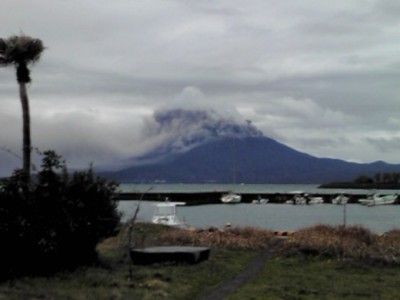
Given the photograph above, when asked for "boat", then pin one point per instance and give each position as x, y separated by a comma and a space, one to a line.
379, 199
315, 200
300, 200
340, 199
260, 200
165, 214
231, 198
297, 199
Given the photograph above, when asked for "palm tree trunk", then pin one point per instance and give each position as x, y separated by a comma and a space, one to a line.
26, 131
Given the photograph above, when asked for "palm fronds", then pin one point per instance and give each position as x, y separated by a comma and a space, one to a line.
20, 49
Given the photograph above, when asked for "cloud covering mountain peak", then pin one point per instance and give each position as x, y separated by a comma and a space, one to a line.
177, 130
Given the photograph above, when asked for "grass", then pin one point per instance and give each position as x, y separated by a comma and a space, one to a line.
320, 262
353, 242
111, 280
230, 238
317, 278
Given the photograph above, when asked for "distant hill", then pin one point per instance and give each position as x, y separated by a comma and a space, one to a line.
253, 159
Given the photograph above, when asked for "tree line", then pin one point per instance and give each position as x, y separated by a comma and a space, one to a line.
379, 178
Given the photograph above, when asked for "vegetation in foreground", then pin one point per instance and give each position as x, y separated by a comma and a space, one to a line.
320, 262
353, 243
231, 238
317, 278
111, 279
55, 221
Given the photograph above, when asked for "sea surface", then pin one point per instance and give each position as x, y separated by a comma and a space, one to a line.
269, 216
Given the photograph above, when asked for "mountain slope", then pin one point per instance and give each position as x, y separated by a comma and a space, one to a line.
252, 159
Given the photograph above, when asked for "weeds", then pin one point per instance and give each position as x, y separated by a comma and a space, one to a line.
352, 242
232, 238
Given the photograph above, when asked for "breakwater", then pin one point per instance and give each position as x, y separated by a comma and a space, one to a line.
214, 197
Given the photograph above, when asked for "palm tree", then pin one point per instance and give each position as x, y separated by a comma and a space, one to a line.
21, 51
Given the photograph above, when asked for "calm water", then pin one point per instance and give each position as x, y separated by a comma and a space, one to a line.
240, 188
271, 216
275, 216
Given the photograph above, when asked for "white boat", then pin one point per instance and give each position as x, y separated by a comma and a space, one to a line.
299, 200
379, 199
165, 214
231, 198
340, 199
315, 200
260, 200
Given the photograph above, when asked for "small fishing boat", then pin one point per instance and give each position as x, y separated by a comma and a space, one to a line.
299, 200
340, 199
379, 199
260, 200
231, 198
315, 200
165, 214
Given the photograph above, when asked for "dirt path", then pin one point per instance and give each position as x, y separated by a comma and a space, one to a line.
253, 268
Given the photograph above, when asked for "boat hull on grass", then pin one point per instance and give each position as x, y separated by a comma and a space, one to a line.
169, 254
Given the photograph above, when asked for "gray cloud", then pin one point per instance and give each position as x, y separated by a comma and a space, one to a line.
321, 77
385, 145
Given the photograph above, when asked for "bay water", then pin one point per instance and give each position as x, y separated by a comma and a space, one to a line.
269, 216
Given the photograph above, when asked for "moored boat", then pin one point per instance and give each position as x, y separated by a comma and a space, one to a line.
315, 200
165, 214
231, 198
379, 199
340, 199
260, 200
299, 200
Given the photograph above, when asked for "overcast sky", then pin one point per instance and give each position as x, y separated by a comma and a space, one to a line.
320, 76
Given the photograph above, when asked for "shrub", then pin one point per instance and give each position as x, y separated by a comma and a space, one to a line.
56, 221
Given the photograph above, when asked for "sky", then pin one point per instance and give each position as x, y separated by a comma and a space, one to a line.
319, 76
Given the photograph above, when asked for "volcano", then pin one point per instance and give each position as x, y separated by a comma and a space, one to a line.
203, 147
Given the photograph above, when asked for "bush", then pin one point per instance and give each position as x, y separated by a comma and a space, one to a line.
56, 221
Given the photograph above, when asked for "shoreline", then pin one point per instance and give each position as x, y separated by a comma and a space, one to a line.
359, 186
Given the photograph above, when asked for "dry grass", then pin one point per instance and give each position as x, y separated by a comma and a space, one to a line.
388, 246
352, 242
232, 238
